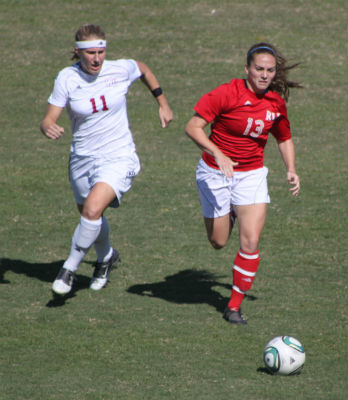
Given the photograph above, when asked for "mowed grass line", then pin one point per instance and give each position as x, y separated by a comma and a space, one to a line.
157, 330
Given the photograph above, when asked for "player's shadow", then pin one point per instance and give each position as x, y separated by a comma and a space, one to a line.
45, 272
188, 286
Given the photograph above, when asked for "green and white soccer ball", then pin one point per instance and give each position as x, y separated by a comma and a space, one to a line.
284, 355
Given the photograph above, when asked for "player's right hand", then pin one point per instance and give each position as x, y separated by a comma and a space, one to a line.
225, 164
54, 131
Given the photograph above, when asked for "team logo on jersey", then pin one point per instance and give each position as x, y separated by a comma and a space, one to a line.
110, 82
271, 116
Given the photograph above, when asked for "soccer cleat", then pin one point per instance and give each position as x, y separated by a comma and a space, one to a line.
63, 282
102, 271
234, 317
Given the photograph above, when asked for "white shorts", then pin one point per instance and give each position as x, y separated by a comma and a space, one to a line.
218, 194
117, 171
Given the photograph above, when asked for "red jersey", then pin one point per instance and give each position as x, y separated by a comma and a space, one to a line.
240, 122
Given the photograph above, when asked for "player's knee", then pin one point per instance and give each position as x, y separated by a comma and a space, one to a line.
218, 245
250, 245
92, 213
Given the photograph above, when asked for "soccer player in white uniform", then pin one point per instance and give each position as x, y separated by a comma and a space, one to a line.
103, 161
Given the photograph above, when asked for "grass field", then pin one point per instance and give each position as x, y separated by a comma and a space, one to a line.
156, 332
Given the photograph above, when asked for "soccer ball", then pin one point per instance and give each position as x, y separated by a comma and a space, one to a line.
284, 355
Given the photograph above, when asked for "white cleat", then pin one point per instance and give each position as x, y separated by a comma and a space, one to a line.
64, 281
102, 271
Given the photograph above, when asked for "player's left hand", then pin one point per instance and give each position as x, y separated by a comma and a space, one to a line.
294, 181
166, 115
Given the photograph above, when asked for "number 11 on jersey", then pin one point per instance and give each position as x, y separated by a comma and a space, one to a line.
95, 110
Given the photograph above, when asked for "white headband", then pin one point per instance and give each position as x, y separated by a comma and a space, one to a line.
87, 44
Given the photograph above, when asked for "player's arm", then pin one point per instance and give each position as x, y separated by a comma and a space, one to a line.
195, 130
148, 77
49, 125
287, 151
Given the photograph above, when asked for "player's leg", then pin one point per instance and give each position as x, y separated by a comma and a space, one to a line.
101, 196
113, 180
251, 220
250, 197
92, 226
218, 230
215, 198
102, 243
85, 232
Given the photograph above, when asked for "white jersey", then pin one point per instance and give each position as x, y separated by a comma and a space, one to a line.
97, 106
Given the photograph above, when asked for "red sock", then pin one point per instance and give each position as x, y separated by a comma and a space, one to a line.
244, 271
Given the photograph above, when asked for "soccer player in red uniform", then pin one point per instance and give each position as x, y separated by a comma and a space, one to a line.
231, 178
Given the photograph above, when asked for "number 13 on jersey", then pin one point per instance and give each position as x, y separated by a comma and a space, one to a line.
259, 125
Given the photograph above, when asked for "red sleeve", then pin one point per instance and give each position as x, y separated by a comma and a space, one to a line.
281, 128
210, 105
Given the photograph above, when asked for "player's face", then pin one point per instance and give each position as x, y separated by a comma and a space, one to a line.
92, 59
261, 72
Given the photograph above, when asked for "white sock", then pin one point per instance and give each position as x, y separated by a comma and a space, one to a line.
88, 232
102, 243
84, 236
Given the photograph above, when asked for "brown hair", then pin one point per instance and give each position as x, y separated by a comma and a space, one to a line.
280, 83
87, 31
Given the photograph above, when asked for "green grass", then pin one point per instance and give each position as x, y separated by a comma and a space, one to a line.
156, 331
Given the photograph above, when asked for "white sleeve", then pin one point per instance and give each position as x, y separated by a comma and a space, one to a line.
134, 71
132, 68
59, 95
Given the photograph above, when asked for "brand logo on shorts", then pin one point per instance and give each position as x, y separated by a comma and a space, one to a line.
131, 174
